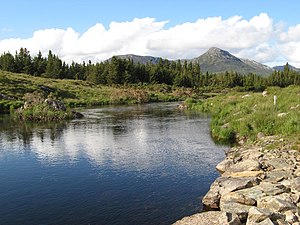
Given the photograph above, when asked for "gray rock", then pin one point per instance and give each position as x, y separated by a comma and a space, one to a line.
55, 104
295, 186
224, 165
279, 163
247, 165
279, 203
290, 217
248, 196
239, 209
272, 189
277, 175
212, 218
257, 215
224, 185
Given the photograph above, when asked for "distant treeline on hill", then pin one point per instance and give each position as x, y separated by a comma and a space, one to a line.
123, 71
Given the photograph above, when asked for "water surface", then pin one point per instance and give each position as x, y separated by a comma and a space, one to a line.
147, 164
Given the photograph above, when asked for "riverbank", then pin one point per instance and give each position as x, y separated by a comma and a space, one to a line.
77, 93
258, 185
260, 177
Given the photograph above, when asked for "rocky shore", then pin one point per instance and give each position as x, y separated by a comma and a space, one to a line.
259, 184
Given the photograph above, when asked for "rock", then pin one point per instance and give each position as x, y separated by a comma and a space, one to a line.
55, 104
279, 163
295, 184
267, 221
277, 175
281, 114
257, 215
244, 174
272, 189
247, 196
277, 203
260, 135
77, 115
182, 106
290, 217
237, 208
247, 165
265, 93
224, 185
211, 218
282, 222
224, 165
237, 197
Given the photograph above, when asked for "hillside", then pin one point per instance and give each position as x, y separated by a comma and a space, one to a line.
74, 93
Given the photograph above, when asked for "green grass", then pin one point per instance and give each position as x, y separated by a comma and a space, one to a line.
75, 93
237, 115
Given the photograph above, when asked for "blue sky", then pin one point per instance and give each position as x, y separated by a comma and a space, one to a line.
19, 20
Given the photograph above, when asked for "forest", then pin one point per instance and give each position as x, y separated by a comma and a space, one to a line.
118, 71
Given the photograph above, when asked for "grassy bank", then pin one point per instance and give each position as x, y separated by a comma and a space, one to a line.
240, 116
76, 93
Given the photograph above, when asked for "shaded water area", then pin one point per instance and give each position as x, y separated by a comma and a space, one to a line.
142, 164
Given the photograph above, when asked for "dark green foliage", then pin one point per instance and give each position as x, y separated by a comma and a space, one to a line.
120, 71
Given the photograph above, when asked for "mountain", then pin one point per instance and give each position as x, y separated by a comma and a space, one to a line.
217, 60
281, 68
140, 59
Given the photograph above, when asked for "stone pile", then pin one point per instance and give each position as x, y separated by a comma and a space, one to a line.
258, 185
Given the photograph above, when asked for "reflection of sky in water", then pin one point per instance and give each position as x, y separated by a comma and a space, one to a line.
153, 158
134, 143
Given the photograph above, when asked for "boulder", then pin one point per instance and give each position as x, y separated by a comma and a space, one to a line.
211, 218
277, 175
257, 215
55, 104
279, 163
271, 189
236, 208
224, 185
247, 165
224, 165
267, 221
77, 115
248, 196
279, 203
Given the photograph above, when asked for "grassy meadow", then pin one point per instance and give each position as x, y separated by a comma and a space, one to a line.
241, 116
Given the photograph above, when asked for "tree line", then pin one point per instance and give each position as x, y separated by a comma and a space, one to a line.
124, 71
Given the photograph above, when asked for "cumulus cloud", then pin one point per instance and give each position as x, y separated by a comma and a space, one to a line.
257, 38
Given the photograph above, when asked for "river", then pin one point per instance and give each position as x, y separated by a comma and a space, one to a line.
141, 164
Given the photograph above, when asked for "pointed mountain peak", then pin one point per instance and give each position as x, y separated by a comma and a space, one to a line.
217, 52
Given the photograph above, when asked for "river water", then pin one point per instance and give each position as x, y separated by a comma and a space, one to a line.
142, 164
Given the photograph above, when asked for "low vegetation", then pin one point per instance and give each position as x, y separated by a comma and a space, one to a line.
244, 116
76, 93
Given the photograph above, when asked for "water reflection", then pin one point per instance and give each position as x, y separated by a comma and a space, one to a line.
136, 165
139, 138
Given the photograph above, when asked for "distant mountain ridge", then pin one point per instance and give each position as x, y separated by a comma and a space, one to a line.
215, 60
281, 68
139, 59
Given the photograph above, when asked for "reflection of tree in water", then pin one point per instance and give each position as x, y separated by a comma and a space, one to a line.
25, 131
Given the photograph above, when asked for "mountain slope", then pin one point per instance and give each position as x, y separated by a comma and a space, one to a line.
140, 59
217, 60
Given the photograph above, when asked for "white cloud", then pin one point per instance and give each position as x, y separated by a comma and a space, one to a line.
258, 38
